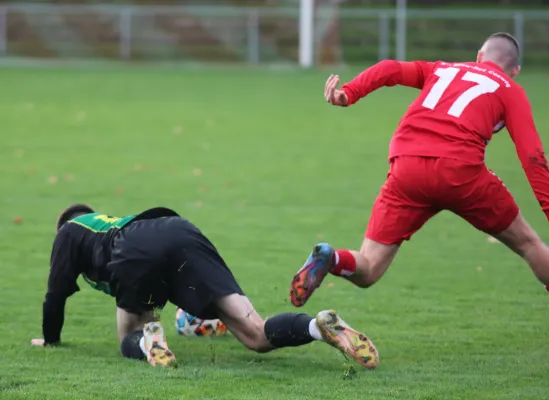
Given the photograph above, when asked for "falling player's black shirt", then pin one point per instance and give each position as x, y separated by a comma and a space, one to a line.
82, 246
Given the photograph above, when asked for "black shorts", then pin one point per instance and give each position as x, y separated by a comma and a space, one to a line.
168, 259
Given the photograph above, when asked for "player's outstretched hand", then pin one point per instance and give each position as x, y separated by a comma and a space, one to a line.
38, 342
332, 94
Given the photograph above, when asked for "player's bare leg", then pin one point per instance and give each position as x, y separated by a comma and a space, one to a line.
291, 330
523, 240
142, 336
363, 268
244, 322
369, 264
127, 322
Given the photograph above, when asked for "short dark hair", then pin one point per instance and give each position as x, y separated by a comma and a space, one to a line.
72, 212
508, 37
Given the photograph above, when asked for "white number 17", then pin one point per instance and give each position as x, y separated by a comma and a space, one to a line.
446, 76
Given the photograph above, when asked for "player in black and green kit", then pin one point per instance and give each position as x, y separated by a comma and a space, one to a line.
148, 259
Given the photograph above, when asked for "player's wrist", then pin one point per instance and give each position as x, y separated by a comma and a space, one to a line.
345, 97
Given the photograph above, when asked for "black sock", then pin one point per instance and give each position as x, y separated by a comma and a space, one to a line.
288, 330
130, 347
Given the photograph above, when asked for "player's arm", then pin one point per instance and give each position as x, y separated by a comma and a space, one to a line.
385, 73
61, 285
53, 318
521, 127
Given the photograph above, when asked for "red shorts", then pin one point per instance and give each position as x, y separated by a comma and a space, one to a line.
417, 188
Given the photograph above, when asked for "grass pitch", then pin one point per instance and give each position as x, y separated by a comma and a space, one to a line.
266, 168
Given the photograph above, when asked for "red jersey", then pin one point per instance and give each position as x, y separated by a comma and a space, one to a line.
460, 107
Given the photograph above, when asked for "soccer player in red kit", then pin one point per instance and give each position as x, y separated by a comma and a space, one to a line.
436, 161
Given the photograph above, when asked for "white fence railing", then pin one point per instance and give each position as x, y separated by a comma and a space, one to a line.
328, 34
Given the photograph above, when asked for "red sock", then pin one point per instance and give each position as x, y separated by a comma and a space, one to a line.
547, 288
344, 263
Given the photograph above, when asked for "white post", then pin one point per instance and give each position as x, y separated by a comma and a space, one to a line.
519, 33
384, 37
3, 31
253, 37
306, 33
401, 30
125, 33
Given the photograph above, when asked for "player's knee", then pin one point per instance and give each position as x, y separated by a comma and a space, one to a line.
526, 241
527, 245
520, 237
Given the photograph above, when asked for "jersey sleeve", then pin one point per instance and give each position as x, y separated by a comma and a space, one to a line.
387, 73
61, 285
521, 127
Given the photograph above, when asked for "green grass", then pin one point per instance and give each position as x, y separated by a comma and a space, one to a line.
261, 163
